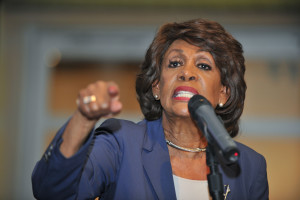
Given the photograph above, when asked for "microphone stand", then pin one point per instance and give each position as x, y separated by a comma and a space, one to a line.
214, 178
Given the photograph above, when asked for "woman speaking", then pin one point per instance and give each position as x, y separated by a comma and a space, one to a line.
164, 155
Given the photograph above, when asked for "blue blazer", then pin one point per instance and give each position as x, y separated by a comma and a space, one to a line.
124, 160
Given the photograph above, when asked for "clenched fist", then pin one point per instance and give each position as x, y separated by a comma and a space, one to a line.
99, 99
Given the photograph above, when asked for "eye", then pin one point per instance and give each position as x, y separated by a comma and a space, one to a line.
204, 66
174, 64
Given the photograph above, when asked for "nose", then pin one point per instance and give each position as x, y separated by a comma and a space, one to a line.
187, 74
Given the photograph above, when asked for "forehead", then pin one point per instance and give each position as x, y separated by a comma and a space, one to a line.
181, 47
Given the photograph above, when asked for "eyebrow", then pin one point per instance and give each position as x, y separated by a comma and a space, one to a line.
176, 50
204, 58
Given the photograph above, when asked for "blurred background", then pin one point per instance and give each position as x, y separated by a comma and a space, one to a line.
49, 49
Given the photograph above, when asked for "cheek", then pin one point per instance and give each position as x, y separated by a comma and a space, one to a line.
166, 81
212, 92
166, 91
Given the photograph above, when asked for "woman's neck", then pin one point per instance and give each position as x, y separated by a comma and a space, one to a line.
183, 131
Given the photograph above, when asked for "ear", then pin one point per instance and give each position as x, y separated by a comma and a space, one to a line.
224, 95
155, 88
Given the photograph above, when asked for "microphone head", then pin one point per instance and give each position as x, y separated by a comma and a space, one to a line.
198, 107
196, 101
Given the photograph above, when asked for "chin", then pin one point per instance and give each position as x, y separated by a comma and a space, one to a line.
183, 113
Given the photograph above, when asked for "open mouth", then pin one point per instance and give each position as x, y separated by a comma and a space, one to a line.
184, 93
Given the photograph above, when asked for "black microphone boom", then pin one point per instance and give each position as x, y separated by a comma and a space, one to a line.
206, 119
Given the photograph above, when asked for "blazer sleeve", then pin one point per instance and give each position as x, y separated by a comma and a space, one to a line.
102, 164
85, 175
260, 189
57, 177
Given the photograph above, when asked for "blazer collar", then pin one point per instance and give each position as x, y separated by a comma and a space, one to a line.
156, 161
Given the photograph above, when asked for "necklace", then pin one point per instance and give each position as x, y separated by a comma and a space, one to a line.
195, 150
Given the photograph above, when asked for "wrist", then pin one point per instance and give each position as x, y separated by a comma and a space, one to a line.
76, 133
84, 121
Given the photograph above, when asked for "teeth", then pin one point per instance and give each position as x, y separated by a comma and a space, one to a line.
184, 94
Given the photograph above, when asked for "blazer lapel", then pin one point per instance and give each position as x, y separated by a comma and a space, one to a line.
156, 161
229, 174
228, 187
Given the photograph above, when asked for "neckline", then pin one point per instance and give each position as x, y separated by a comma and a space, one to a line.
189, 180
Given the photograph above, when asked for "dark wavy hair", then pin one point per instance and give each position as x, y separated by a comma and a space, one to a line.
211, 37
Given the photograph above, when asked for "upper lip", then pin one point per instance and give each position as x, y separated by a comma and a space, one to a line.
185, 88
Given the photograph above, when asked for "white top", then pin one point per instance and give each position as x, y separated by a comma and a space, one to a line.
187, 189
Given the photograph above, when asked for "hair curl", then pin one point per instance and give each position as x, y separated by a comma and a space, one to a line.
211, 37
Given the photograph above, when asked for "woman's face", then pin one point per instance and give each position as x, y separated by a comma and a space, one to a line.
186, 71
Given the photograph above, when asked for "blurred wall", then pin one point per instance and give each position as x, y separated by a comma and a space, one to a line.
36, 38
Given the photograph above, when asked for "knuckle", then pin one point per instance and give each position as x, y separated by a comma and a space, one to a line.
82, 93
91, 87
100, 83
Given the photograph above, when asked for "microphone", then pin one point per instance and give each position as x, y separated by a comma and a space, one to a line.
208, 122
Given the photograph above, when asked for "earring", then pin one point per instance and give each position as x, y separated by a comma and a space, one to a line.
156, 97
221, 105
